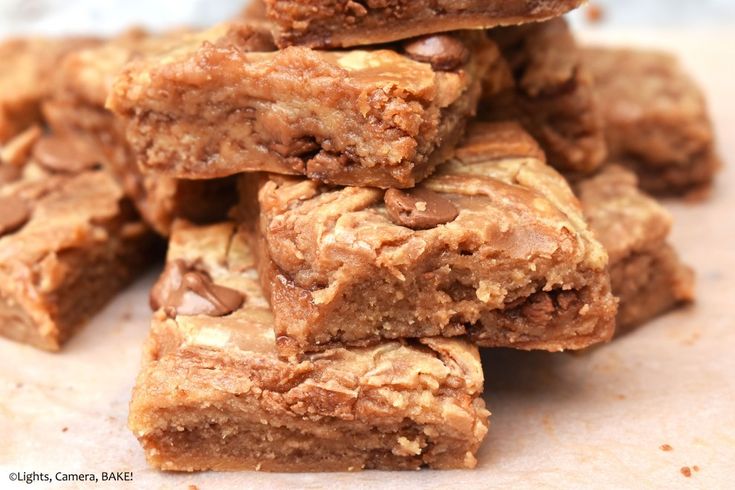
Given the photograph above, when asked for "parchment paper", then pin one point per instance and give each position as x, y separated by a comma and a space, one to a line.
591, 420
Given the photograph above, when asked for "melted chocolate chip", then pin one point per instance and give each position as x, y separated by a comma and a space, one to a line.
66, 154
14, 213
443, 51
419, 208
168, 282
184, 291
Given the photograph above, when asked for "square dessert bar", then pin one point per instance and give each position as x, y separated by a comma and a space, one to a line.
656, 119
224, 101
542, 82
493, 245
69, 240
213, 394
645, 271
76, 107
26, 68
336, 23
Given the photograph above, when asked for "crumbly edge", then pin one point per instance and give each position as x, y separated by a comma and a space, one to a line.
577, 312
692, 178
562, 114
93, 276
649, 283
325, 163
197, 409
562, 318
645, 271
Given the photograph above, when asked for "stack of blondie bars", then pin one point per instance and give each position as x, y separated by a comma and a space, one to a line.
356, 197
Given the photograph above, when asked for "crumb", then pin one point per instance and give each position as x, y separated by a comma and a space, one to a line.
193, 487
127, 316
692, 339
594, 13
19, 385
64, 429
695, 467
620, 396
666, 447
686, 471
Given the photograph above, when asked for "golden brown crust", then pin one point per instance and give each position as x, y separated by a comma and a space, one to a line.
372, 117
645, 271
213, 394
516, 268
543, 82
656, 119
340, 23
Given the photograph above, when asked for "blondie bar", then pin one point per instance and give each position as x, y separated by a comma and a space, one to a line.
542, 81
493, 245
645, 271
69, 239
339, 23
213, 394
76, 108
224, 101
26, 68
656, 119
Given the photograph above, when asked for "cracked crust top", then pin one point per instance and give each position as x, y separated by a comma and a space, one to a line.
494, 244
498, 180
224, 101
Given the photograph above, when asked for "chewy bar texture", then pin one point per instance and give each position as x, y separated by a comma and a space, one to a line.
645, 271
223, 102
69, 241
26, 68
340, 23
542, 81
656, 119
493, 245
76, 108
213, 394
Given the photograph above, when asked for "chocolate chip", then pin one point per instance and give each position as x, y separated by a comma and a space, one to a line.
66, 154
167, 284
184, 291
419, 208
14, 213
443, 51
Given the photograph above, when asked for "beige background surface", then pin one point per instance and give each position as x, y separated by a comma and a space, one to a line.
594, 420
